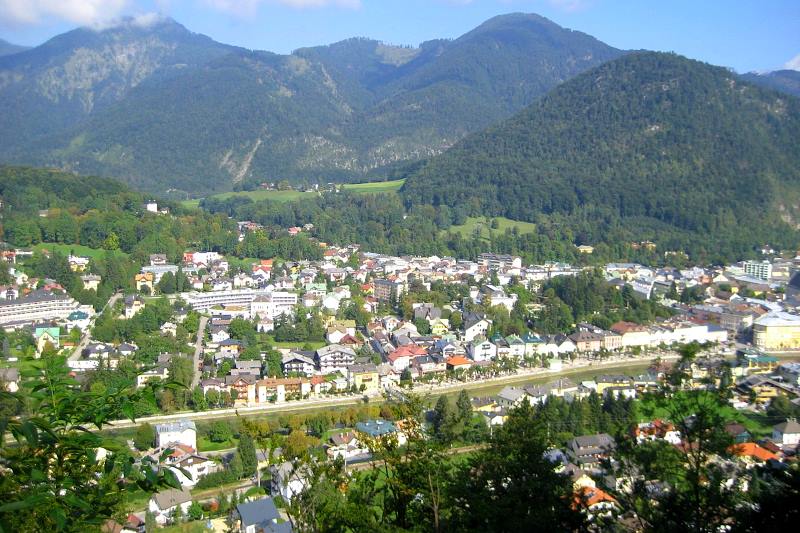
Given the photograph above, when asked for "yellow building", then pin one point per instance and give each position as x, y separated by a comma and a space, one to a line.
440, 326
146, 279
365, 375
777, 331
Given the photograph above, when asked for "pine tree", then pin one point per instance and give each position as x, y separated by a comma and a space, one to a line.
247, 452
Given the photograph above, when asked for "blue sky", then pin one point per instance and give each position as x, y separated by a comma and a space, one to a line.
743, 34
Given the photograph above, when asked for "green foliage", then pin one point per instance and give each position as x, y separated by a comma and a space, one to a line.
220, 431
589, 298
57, 479
631, 151
699, 498
145, 437
247, 451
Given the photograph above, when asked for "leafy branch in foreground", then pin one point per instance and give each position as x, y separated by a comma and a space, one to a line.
57, 472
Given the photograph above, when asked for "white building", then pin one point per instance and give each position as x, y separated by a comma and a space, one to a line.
758, 269
787, 433
163, 504
180, 432
38, 306
273, 304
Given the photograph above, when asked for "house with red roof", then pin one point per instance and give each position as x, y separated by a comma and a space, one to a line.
458, 362
401, 358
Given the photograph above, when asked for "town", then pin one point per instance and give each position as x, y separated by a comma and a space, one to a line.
356, 328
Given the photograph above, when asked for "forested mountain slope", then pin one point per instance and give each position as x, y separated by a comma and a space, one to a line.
161, 107
652, 138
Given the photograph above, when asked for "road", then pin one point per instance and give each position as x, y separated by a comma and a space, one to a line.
333, 402
87, 334
198, 349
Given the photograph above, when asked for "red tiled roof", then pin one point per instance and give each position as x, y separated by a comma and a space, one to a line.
751, 449
589, 496
458, 360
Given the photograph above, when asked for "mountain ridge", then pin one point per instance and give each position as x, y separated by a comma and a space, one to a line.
340, 112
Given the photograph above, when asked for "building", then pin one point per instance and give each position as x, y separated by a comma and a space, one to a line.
499, 261
786, 433
364, 377
299, 363
274, 304
475, 325
758, 269
385, 290
260, 516
180, 432
287, 480
133, 304
335, 357
777, 331
163, 504
38, 306
586, 451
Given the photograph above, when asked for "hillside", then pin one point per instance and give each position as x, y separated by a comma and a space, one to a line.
786, 81
161, 107
7, 48
670, 145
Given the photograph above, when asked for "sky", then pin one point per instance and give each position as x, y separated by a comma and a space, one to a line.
747, 35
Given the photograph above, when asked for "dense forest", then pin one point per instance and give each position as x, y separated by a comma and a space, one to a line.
672, 148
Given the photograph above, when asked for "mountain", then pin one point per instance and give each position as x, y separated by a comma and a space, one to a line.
657, 142
786, 81
162, 108
7, 48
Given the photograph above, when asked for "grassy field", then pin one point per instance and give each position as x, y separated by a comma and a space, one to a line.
78, 249
288, 196
374, 187
483, 224
205, 445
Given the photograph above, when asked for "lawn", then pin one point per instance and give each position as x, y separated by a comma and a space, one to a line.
288, 196
483, 224
260, 194
205, 445
78, 249
374, 186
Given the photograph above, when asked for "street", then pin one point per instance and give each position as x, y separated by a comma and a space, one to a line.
198, 350
87, 334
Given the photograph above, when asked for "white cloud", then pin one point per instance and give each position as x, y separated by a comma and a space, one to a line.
249, 7
793, 64
76, 11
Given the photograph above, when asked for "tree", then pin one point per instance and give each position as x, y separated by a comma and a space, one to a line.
511, 486
150, 525
443, 420
297, 444
56, 479
423, 326
247, 452
145, 437
220, 431
181, 370
167, 284
235, 466
199, 402
699, 498
464, 407
195, 511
